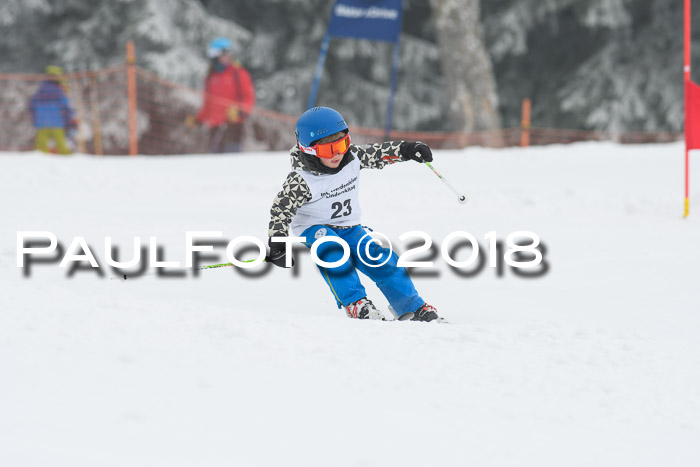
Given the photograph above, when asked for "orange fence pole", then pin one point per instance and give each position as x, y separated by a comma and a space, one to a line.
131, 91
525, 124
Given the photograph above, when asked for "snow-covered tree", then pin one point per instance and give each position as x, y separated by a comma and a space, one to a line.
466, 65
611, 65
598, 64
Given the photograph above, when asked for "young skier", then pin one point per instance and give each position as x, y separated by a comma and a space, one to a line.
52, 113
320, 198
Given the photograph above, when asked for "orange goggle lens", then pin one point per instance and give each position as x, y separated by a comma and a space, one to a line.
328, 150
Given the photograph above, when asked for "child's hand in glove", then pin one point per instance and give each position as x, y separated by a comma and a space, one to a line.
277, 255
419, 152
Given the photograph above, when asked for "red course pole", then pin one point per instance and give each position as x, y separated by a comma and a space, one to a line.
686, 79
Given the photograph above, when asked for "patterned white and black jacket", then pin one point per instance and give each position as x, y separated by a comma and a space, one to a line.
296, 192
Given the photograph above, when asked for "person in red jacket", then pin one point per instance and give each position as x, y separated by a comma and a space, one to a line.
229, 97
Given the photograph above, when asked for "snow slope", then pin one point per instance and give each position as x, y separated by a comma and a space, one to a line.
596, 363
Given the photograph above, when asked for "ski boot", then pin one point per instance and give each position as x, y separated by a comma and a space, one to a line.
427, 313
363, 309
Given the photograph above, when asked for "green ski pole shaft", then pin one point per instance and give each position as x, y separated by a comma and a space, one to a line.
209, 266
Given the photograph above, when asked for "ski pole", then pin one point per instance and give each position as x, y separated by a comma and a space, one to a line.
461, 198
215, 142
209, 266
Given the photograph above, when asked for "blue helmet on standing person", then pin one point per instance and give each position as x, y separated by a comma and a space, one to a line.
218, 46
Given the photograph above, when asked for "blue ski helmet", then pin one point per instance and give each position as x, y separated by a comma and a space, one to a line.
317, 123
217, 46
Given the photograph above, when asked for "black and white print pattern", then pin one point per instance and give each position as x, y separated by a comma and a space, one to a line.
295, 191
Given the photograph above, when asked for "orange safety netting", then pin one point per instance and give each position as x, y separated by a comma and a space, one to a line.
100, 102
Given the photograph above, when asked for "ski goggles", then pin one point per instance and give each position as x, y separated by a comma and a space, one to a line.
328, 150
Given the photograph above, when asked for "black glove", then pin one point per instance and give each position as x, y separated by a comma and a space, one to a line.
278, 255
419, 152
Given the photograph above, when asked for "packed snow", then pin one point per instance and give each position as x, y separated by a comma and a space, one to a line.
596, 362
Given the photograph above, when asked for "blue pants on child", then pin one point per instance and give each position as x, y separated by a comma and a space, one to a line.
344, 281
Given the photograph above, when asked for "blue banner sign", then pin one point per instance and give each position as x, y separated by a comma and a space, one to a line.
367, 19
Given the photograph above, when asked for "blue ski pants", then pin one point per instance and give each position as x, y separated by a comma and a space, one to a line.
344, 281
